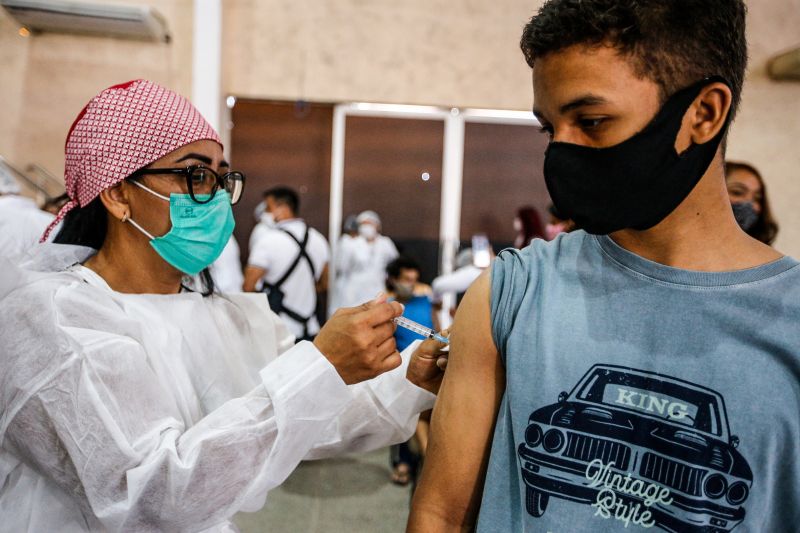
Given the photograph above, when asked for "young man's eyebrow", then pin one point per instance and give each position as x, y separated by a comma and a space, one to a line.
199, 157
582, 101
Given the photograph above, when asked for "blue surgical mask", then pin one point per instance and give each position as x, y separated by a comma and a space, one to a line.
199, 231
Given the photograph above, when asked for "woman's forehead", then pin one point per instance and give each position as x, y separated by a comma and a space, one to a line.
204, 151
745, 178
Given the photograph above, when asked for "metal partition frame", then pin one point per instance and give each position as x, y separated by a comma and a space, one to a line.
452, 170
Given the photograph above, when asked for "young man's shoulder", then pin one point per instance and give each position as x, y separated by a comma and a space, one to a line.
540, 254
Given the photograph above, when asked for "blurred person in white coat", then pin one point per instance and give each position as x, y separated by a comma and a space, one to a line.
336, 291
226, 271
361, 261
21, 221
129, 401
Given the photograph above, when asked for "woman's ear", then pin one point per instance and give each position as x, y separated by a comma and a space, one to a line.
712, 108
115, 200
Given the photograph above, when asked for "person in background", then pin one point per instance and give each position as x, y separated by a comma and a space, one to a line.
528, 225
131, 403
335, 293
403, 286
557, 224
290, 262
748, 195
458, 281
361, 261
21, 222
264, 221
350, 227
54, 205
227, 269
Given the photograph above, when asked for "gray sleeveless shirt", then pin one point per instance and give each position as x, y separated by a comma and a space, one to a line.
642, 396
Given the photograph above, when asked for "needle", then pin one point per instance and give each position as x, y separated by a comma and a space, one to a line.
428, 333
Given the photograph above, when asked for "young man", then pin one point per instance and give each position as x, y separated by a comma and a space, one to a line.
291, 260
644, 372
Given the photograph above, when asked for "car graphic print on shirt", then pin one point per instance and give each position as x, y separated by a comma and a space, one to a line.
639, 447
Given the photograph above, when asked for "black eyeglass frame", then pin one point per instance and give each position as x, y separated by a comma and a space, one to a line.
187, 172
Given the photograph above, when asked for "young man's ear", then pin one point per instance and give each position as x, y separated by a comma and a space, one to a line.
116, 203
711, 109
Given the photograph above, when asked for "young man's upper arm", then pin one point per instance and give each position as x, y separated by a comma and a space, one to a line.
449, 493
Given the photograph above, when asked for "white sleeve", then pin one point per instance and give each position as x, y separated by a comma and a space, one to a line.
458, 281
391, 250
343, 256
384, 411
261, 251
105, 431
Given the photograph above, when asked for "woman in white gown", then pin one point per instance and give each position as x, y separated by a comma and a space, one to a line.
130, 402
361, 261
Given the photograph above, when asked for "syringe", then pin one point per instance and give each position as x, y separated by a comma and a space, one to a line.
428, 333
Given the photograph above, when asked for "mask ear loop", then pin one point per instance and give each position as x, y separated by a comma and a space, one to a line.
151, 191
127, 217
137, 226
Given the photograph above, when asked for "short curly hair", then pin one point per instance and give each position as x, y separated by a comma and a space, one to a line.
672, 42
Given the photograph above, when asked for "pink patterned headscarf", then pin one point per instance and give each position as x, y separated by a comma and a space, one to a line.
124, 128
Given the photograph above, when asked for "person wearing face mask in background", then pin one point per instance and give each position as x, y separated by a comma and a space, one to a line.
557, 224
21, 222
361, 261
130, 401
751, 207
403, 286
528, 225
264, 221
289, 261
601, 378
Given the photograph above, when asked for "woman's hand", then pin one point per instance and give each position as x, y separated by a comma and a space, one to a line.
359, 341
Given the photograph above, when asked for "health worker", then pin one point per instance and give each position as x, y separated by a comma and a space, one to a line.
132, 399
361, 261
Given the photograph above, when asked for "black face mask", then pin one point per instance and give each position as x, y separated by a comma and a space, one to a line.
634, 184
745, 214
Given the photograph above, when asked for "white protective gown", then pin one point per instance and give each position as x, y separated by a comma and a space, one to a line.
362, 267
21, 225
163, 412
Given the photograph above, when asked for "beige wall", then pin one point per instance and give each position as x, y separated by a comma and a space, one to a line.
439, 52
48, 78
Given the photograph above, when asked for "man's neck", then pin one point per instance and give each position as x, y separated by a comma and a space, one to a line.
701, 234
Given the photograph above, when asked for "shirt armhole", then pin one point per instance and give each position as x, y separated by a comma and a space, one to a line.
508, 287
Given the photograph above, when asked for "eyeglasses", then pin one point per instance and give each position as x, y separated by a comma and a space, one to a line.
201, 180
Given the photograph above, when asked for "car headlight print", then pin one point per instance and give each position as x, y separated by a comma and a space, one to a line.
554, 440
737, 493
715, 486
533, 435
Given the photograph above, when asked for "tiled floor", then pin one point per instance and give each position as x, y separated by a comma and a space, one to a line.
350, 495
